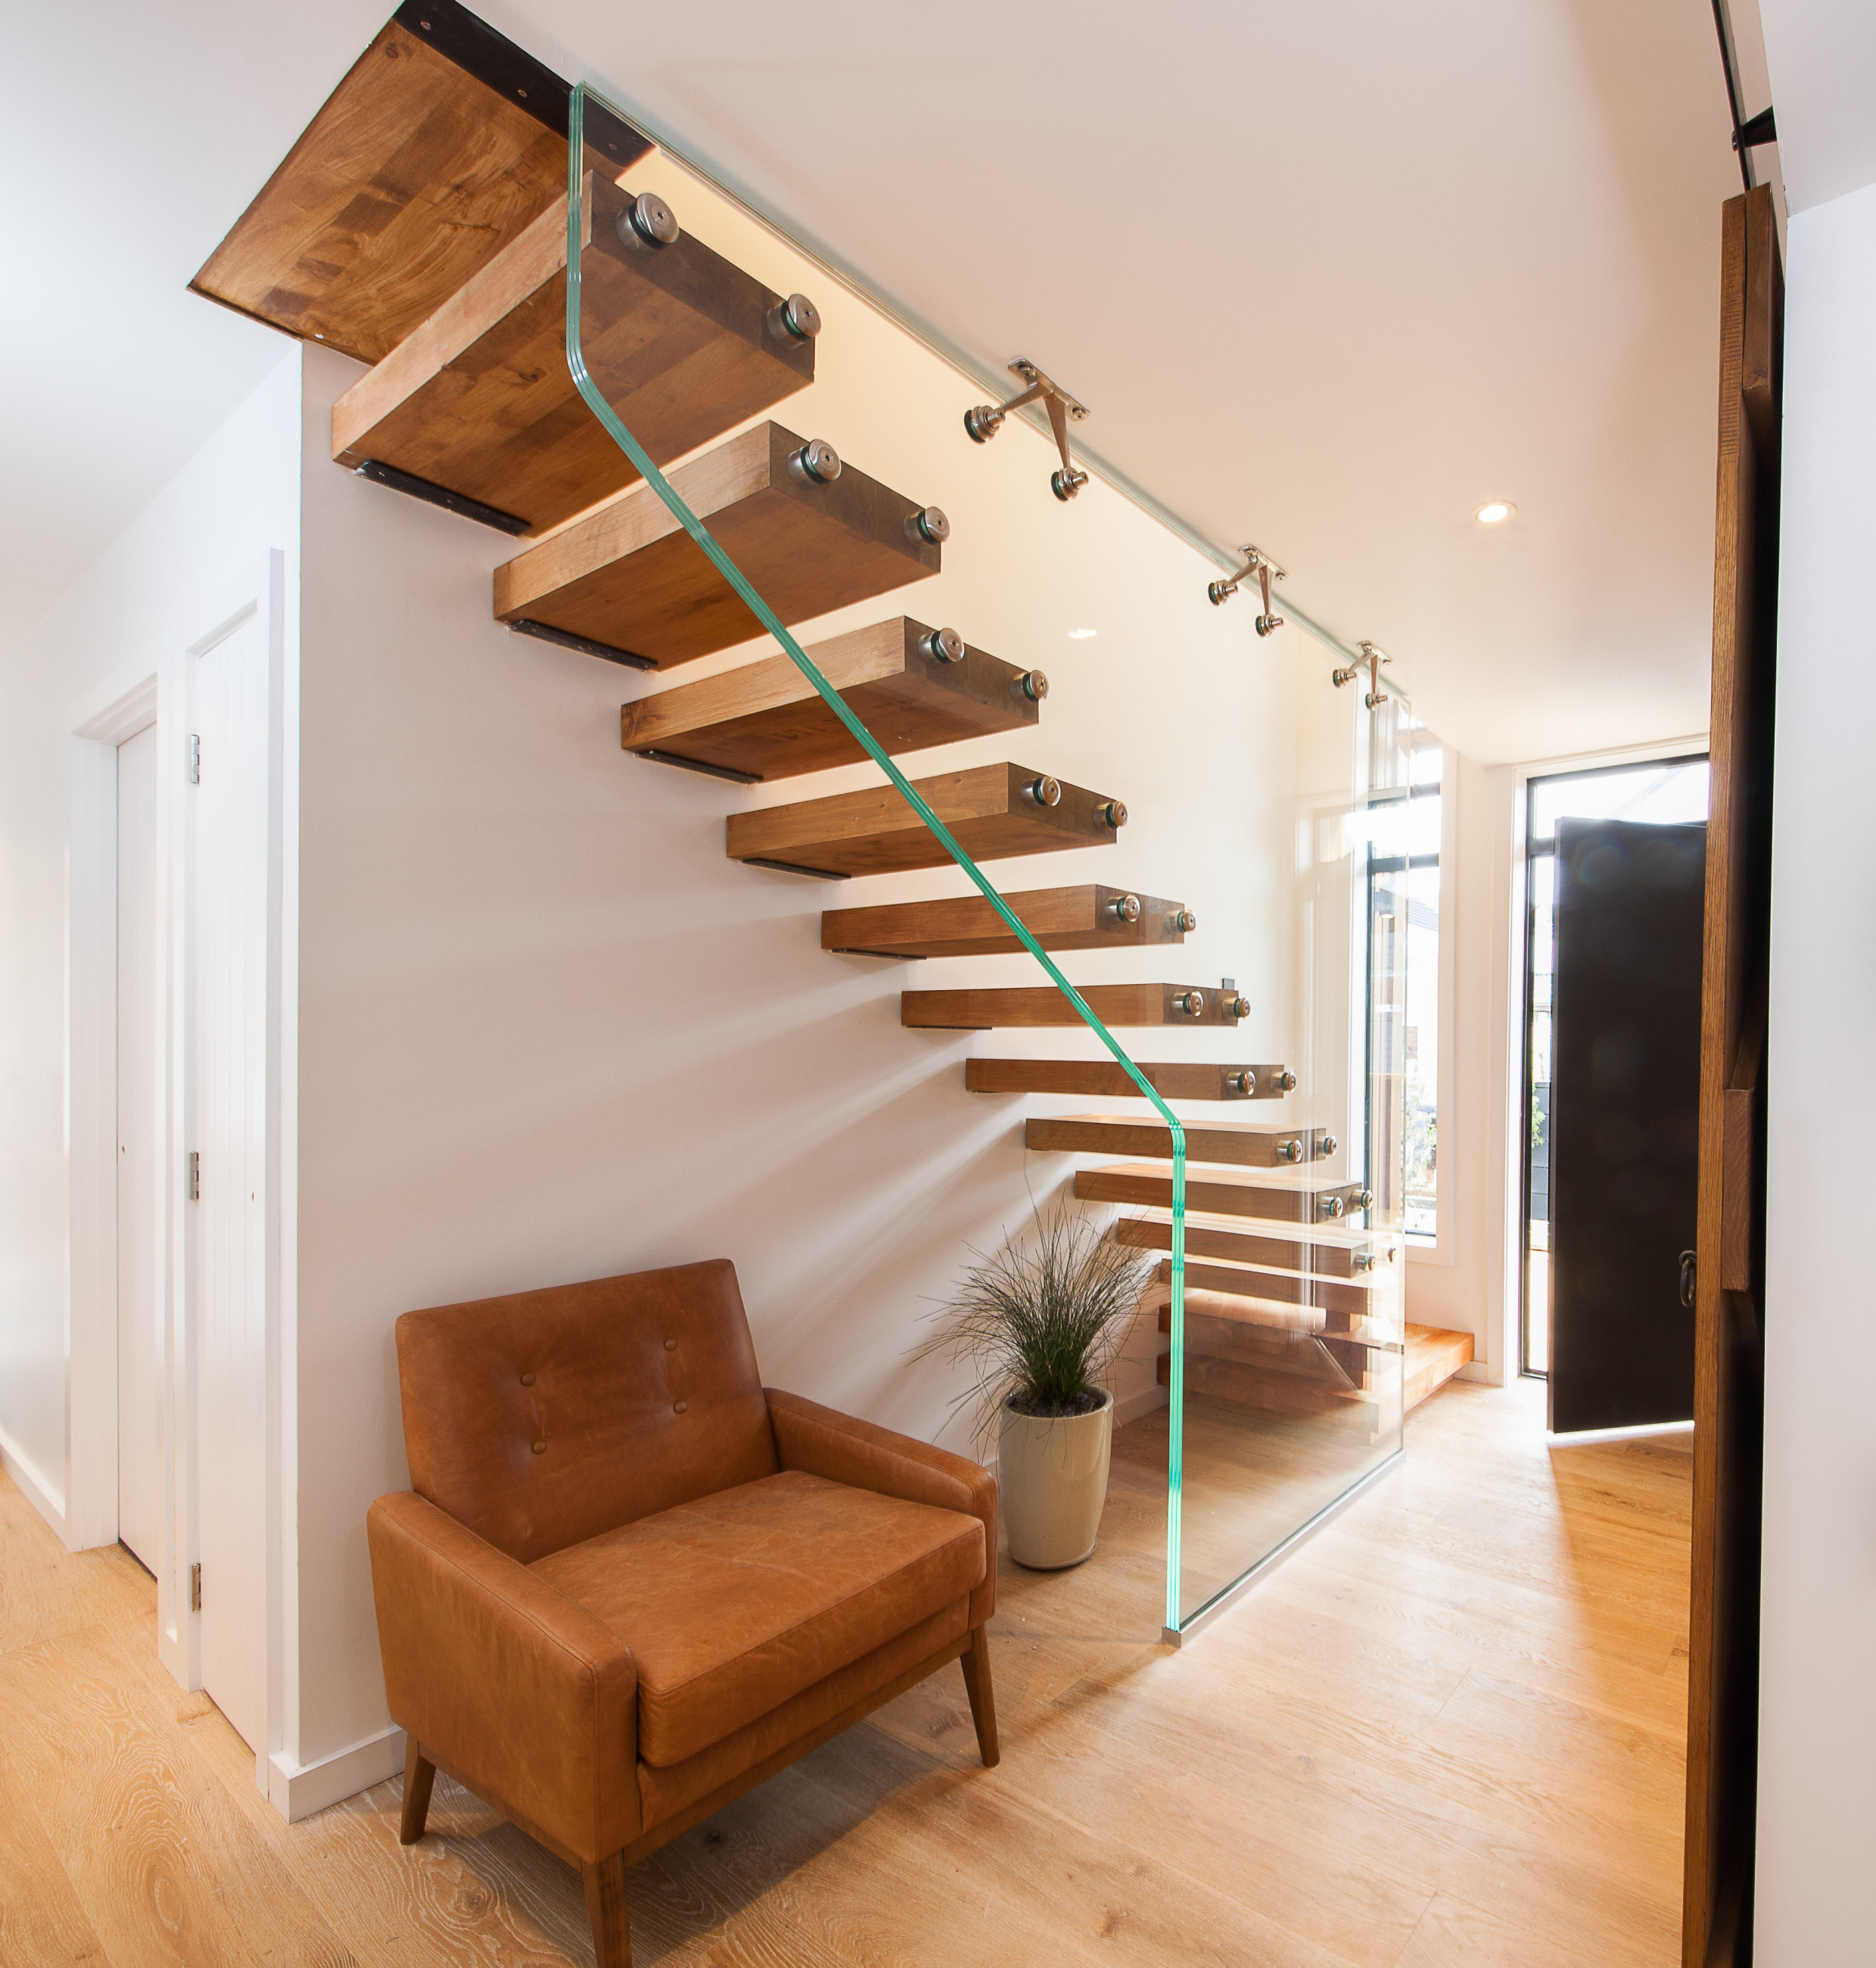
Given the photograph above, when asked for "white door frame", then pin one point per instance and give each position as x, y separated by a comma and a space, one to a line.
117, 710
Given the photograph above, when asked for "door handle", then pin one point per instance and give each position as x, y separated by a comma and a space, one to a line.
1687, 1266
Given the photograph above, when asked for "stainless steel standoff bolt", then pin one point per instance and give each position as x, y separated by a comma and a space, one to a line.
1127, 908
943, 645
1237, 1007
1114, 812
930, 526
1291, 1150
795, 319
1363, 1260
1184, 921
1365, 1200
1333, 1205
816, 461
1066, 483
1044, 791
1033, 685
1244, 1082
1192, 1003
649, 220
1285, 1080
1326, 1145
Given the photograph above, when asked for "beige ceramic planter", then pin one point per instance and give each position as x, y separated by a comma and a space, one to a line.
1052, 1479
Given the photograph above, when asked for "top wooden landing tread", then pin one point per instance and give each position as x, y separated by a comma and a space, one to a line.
765, 720
479, 399
628, 576
412, 177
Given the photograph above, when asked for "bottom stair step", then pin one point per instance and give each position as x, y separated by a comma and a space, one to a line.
1434, 1356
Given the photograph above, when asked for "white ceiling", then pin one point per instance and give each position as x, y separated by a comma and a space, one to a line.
1822, 55
1328, 277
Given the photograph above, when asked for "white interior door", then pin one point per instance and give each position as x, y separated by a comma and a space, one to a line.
227, 1050
140, 1337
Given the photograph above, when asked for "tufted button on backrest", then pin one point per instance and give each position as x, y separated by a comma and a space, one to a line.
640, 1393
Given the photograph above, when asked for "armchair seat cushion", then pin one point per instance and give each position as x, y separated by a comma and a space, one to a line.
737, 1602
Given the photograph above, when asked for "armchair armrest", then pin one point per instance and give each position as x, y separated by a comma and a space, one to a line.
505, 1679
823, 1442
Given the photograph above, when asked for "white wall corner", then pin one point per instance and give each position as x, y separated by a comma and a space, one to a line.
297, 1790
37, 1486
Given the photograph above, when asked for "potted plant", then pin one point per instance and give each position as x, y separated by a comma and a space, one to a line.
1039, 1324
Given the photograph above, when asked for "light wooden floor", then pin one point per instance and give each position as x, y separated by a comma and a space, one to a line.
1447, 1732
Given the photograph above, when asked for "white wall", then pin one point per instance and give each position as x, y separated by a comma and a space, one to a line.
549, 1032
144, 597
1817, 1721
1462, 1286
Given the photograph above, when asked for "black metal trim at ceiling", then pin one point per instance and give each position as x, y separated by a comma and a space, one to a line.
494, 60
1747, 131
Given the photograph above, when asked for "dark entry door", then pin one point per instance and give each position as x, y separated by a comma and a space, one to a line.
1624, 1122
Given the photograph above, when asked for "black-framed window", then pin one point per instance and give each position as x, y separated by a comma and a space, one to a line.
1403, 878
1667, 791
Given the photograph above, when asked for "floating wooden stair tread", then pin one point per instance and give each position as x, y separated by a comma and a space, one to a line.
1272, 1316
1239, 1144
414, 176
1044, 1004
766, 721
627, 578
1251, 1387
1345, 1301
1328, 1260
1087, 918
1219, 1192
479, 401
1311, 1355
993, 811
1106, 1079
1434, 1356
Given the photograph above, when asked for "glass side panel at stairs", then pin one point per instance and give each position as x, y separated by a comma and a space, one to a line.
1106, 840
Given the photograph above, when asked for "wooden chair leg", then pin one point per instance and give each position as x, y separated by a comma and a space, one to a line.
975, 1662
605, 1907
420, 1775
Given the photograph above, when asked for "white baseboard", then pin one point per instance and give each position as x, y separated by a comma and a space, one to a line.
1142, 1401
43, 1498
297, 1790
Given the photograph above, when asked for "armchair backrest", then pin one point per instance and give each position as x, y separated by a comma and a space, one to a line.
545, 1417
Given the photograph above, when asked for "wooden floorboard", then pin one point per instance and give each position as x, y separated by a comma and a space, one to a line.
1447, 1732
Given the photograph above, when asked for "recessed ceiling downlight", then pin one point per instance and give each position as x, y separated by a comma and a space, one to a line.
1082, 635
1494, 513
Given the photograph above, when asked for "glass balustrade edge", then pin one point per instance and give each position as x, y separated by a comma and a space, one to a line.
641, 461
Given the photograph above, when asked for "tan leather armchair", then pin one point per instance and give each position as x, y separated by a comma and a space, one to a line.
628, 1583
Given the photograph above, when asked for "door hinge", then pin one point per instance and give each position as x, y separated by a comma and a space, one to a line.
195, 1588
195, 758
194, 1175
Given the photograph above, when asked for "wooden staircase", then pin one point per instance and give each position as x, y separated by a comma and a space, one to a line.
420, 226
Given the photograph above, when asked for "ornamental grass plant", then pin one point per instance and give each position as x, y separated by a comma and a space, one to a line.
1039, 1322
